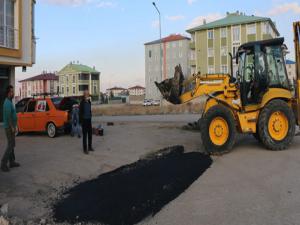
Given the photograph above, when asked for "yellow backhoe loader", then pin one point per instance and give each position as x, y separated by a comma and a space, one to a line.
259, 100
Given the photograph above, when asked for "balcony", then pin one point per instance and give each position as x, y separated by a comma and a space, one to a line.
192, 62
192, 45
9, 37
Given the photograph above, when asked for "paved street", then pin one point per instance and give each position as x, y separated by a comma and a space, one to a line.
250, 185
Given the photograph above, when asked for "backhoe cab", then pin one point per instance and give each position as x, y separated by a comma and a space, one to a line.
257, 101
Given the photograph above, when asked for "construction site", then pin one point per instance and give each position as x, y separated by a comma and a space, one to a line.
207, 148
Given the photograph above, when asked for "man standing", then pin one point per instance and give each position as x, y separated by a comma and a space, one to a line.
10, 123
85, 117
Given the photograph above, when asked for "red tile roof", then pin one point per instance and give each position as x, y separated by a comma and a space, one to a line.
172, 37
136, 87
44, 76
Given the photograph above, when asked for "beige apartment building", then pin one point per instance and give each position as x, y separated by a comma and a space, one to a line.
75, 78
17, 40
211, 42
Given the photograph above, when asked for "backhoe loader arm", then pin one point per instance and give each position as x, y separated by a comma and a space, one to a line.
195, 87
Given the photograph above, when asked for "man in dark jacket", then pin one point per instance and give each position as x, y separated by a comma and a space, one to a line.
85, 118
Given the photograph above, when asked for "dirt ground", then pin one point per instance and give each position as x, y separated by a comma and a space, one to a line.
250, 185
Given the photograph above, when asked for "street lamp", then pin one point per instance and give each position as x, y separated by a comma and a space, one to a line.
160, 44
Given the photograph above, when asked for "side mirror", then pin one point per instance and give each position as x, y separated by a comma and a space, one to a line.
238, 77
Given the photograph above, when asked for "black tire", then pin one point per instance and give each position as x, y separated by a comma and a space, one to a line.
256, 136
263, 129
212, 113
51, 130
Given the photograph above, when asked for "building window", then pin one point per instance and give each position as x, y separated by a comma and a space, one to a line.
224, 32
266, 28
95, 89
236, 34
74, 79
83, 87
84, 76
211, 69
210, 52
67, 90
251, 28
8, 33
150, 53
95, 76
224, 69
223, 51
74, 90
62, 90
210, 34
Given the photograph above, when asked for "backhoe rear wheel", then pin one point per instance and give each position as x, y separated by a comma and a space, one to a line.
276, 125
218, 130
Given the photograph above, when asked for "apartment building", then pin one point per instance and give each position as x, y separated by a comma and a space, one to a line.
38, 85
136, 90
211, 42
75, 78
17, 41
160, 66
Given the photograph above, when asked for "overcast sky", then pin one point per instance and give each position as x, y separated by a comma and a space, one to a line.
109, 34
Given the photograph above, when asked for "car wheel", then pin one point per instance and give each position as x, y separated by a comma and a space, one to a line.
51, 130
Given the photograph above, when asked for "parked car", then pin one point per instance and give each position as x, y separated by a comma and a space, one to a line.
20, 105
41, 115
147, 102
56, 101
155, 103
67, 103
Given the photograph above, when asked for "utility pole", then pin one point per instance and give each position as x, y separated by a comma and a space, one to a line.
160, 44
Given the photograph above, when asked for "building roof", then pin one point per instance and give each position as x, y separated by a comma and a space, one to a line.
77, 68
116, 89
288, 61
44, 76
172, 37
136, 87
233, 19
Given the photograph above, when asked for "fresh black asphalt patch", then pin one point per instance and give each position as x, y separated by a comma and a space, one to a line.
132, 192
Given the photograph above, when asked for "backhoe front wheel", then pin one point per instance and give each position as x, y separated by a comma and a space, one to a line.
218, 130
276, 125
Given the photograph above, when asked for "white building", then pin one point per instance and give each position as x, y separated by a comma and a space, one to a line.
175, 50
116, 91
136, 90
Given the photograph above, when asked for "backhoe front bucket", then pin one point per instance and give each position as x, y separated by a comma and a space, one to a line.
171, 89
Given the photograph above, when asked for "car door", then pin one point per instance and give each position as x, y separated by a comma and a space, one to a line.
27, 118
41, 115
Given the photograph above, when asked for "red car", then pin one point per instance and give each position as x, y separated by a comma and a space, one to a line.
41, 115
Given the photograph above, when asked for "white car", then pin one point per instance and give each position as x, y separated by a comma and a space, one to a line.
155, 103
147, 102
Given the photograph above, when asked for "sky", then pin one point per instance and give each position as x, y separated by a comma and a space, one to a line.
110, 34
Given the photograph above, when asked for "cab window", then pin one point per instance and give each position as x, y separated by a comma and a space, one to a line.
276, 70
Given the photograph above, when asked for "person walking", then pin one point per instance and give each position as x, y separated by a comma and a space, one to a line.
10, 124
75, 121
85, 118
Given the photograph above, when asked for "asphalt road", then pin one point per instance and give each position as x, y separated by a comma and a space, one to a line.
250, 185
